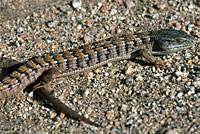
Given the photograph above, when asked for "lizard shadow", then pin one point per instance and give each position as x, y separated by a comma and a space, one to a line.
140, 61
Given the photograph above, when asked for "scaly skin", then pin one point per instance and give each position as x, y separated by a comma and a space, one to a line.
93, 55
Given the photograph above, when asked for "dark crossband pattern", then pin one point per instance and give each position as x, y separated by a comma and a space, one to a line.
93, 55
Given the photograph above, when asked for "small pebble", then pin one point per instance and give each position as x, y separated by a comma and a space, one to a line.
139, 78
76, 4
124, 107
52, 24
196, 59
161, 6
171, 132
129, 71
129, 4
87, 39
197, 23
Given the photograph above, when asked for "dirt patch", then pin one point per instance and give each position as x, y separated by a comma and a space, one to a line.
11, 9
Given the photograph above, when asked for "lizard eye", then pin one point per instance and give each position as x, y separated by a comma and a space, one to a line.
181, 40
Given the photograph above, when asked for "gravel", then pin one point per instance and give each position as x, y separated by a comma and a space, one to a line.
125, 97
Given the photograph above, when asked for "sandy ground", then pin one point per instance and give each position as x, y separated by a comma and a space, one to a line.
125, 97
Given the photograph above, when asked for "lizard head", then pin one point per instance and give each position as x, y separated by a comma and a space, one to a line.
169, 41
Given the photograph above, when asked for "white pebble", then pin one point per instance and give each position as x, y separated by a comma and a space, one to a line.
180, 95
139, 78
106, 74
77, 4
124, 107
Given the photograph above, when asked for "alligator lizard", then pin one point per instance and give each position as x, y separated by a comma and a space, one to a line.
90, 56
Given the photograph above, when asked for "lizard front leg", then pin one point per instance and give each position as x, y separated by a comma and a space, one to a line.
146, 53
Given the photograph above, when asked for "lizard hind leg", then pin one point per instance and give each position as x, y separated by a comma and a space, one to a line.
43, 80
40, 88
